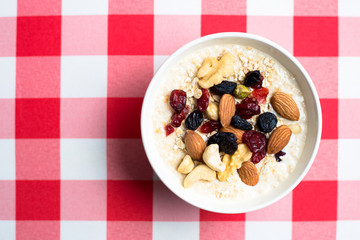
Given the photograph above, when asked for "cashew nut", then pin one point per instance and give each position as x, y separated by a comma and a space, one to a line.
186, 166
211, 157
214, 71
201, 172
212, 111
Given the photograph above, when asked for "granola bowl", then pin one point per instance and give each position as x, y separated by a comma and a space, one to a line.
231, 122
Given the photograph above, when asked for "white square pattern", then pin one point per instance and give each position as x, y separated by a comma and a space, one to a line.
83, 76
270, 8
83, 230
348, 230
7, 159
180, 7
269, 230
7, 77
85, 7
8, 8
348, 78
7, 230
158, 61
348, 168
349, 8
176, 230
83, 159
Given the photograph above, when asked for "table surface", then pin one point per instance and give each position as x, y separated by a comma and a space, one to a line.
73, 74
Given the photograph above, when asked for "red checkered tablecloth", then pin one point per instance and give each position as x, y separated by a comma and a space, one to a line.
73, 74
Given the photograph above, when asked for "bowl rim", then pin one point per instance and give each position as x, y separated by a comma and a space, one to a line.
179, 51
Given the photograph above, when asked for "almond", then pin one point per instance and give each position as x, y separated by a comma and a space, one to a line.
285, 106
279, 138
249, 173
194, 144
238, 133
226, 109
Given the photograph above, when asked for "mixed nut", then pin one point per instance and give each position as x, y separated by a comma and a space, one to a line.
233, 143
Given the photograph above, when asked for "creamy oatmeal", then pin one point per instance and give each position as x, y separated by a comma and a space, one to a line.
235, 76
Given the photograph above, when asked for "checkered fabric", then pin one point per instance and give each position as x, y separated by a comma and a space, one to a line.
73, 74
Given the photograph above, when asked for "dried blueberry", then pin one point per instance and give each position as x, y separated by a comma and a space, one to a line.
194, 120
266, 122
225, 140
253, 79
240, 123
223, 88
278, 155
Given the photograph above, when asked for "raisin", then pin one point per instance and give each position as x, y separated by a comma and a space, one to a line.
194, 120
210, 126
223, 88
169, 129
247, 108
253, 79
260, 94
178, 100
225, 140
177, 118
256, 141
258, 156
278, 155
240, 123
203, 101
266, 122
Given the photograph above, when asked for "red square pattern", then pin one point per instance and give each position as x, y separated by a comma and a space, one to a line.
219, 23
38, 7
129, 200
314, 230
229, 230
37, 159
35, 230
211, 216
37, 200
37, 118
316, 36
123, 117
329, 108
38, 36
7, 200
7, 118
131, 35
315, 201
38, 77
129, 230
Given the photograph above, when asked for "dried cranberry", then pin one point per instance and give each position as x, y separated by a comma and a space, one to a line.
257, 157
177, 118
259, 85
253, 79
194, 120
178, 100
169, 129
203, 101
278, 155
210, 126
260, 94
247, 108
256, 141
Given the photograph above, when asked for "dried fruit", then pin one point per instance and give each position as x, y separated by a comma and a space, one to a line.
258, 156
203, 101
266, 122
285, 106
253, 79
194, 120
240, 123
226, 109
238, 133
177, 118
223, 88
210, 126
169, 129
279, 138
225, 140
247, 108
256, 141
278, 155
260, 94
194, 144
178, 100
249, 174
241, 92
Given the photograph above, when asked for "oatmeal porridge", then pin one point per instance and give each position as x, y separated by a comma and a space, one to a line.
230, 122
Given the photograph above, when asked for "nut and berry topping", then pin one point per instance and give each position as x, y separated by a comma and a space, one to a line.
266, 122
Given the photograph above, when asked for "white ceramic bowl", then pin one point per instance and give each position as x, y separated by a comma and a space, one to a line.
312, 139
